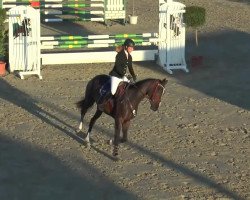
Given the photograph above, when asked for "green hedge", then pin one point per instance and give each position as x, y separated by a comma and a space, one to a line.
3, 35
194, 16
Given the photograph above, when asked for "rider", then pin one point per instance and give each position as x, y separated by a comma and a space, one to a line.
123, 61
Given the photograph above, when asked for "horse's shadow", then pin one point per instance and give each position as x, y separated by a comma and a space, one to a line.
26, 102
175, 166
83, 135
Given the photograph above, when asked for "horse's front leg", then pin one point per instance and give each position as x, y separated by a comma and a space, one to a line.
97, 114
118, 130
125, 127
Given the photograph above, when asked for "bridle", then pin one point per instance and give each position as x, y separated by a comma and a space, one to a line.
151, 98
153, 95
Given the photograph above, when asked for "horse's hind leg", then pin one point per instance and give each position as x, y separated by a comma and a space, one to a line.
97, 114
118, 130
85, 105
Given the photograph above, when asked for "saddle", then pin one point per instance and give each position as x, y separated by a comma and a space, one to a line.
106, 101
121, 89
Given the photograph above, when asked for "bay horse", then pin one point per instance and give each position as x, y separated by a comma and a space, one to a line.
124, 107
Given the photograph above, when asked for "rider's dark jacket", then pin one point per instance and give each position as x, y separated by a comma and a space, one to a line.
121, 65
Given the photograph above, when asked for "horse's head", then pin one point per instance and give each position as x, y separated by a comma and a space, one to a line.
155, 93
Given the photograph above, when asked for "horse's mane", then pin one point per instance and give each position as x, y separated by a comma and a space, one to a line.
143, 81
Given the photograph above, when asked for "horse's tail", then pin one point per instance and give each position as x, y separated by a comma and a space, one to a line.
80, 104
87, 99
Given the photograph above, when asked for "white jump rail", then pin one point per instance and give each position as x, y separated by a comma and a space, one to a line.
170, 41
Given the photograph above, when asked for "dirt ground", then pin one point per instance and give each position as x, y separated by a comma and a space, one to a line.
196, 146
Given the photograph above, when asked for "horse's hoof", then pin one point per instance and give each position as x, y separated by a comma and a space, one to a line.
115, 155
78, 130
86, 141
123, 140
88, 145
110, 142
115, 158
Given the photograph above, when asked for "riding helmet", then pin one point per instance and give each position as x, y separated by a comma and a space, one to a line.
129, 43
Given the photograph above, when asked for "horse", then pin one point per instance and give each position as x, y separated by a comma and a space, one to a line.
124, 106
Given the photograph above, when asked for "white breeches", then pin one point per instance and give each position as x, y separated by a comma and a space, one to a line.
115, 82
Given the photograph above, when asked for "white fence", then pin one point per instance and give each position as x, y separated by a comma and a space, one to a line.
25, 48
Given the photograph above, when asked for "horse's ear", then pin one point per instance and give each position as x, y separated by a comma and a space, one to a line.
164, 81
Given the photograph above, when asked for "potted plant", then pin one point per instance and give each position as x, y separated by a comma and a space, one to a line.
194, 17
3, 38
133, 17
